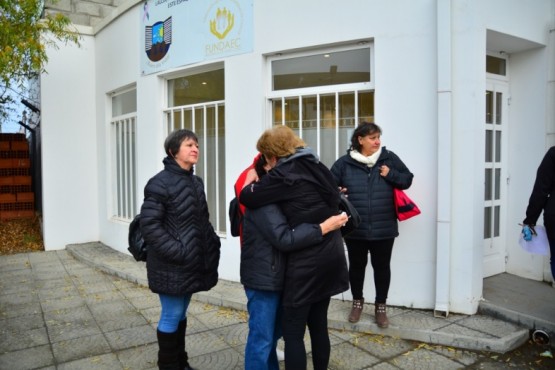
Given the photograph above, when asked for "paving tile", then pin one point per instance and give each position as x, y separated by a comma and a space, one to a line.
140, 357
233, 335
488, 325
425, 359
79, 348
122, 320
18, 340
72, 330
68, 315
107, 361
383, 347
28, 358
131, 337
62, 303
145, 301
226, 359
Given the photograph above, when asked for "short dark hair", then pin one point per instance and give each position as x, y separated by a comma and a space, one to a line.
364, 129
175, 138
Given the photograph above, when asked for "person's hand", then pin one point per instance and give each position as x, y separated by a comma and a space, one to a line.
251, 177
334, 223
384, 170
527, 232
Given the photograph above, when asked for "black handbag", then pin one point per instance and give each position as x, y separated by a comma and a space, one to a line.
352, 213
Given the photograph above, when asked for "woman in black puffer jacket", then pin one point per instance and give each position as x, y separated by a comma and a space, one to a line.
368, 173
306, 192
183, 249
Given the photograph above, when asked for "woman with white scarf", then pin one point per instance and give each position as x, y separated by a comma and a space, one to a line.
367, 174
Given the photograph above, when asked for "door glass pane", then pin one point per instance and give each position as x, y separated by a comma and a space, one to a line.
489, 106
496, 65
496, 221
327, 110
487, 222
497, 183
341, 67
498, 146
309, 111
124, 103
489, 146
498, 110
487, 192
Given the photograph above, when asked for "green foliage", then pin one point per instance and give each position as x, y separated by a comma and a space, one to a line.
24, 39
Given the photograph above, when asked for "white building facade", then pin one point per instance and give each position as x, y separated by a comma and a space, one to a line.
464, 91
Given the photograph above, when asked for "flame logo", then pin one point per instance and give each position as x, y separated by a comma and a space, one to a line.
224, 22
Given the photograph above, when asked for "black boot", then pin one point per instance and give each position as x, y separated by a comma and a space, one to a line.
167, 353
181, 353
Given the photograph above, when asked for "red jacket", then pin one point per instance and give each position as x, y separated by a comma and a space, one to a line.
239, 185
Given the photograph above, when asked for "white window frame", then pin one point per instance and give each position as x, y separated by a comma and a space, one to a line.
217, 216
123, 156
319, 91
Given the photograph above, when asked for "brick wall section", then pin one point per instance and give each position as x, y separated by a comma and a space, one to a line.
83, 12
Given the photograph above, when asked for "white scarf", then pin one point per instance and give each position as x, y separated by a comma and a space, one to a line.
370, 161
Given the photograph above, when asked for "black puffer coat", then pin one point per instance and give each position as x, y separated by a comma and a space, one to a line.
306, 193
542, 197
262, 264
372, 194
184, 250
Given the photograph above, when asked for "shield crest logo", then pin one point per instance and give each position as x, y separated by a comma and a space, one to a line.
158, 39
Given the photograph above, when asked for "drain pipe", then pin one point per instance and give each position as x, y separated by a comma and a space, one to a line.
444, 96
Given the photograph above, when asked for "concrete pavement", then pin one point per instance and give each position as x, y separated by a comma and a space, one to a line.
87, 307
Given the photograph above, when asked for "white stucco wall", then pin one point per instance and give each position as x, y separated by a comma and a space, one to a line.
407, 105
69, 149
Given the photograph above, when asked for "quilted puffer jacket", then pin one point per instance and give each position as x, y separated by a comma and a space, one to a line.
183, 249
266, 236
305, 191
372, 194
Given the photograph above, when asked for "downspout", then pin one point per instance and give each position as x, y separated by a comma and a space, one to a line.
443, 222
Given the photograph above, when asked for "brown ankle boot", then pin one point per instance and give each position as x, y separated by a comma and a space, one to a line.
381, 316
356, 311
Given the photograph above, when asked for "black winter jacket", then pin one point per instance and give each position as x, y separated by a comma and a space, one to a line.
262, 264
372, 194
306, 193
184, 250
542, 197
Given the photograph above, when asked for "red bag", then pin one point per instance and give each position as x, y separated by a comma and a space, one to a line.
404, 206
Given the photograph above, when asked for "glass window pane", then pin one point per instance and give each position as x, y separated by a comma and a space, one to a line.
277, 112
487, 222
366, 106
496, 65
489, 146
489, 106
292, 112
195, 89
342, 67
488, 179
327, 110
124, 103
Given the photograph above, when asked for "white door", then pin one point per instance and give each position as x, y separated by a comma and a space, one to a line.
496, 179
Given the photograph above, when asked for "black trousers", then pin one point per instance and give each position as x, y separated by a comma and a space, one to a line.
294, 323
380, 258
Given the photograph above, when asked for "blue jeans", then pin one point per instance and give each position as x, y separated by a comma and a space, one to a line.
264, 329
174, 310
